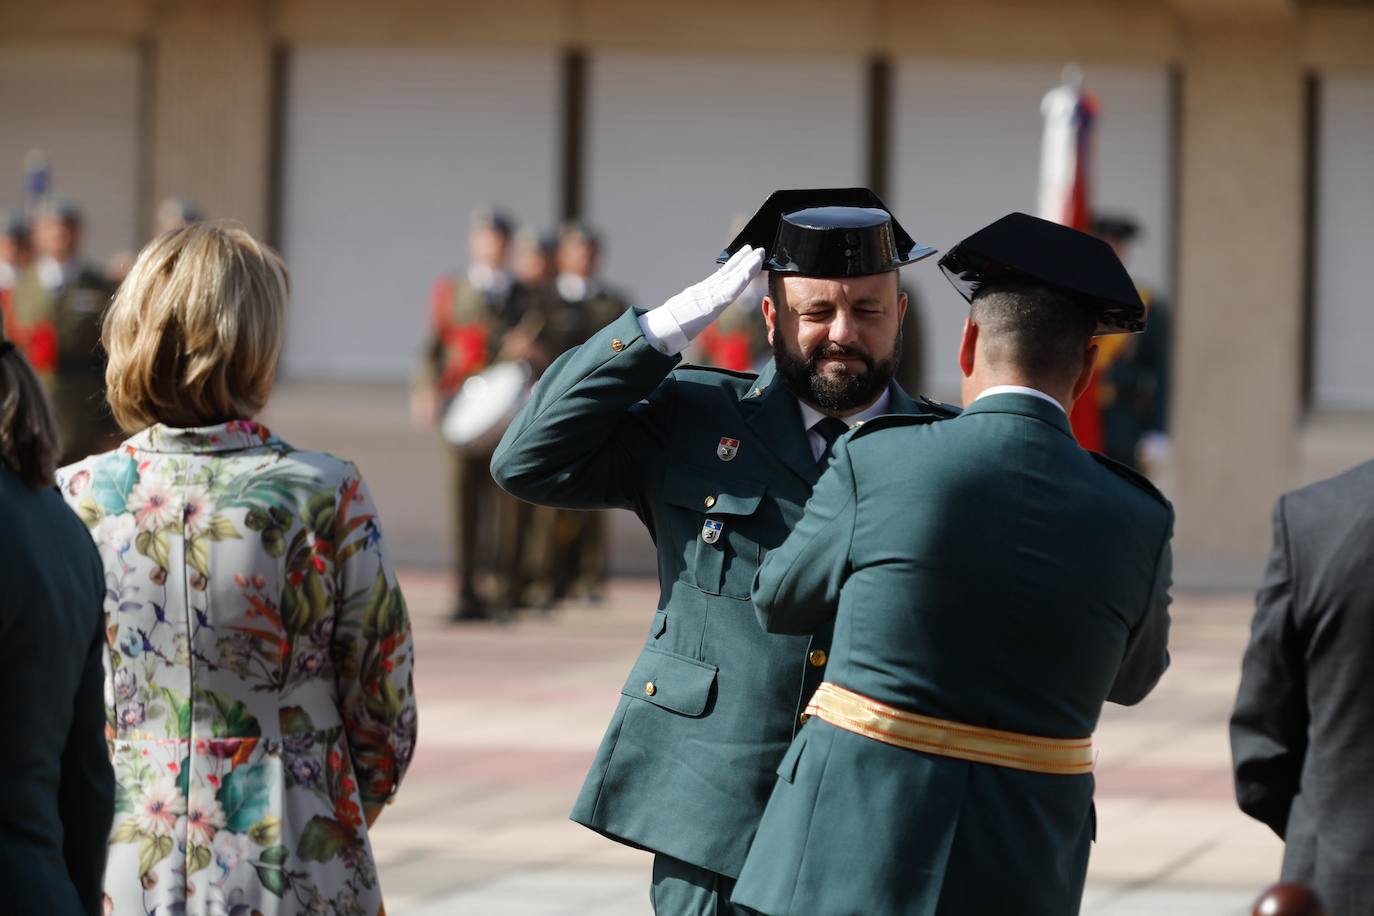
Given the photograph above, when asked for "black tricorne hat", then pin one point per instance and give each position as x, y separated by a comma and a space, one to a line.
828, 232
1022, 248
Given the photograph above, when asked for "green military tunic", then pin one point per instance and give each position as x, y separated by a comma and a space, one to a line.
717, 466
986, 571
60, 333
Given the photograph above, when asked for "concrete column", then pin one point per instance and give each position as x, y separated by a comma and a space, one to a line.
212, 108
1237, 332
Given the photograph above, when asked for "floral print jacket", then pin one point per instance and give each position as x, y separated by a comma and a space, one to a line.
258, 681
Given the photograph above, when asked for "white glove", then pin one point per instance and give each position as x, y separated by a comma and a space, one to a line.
672, 326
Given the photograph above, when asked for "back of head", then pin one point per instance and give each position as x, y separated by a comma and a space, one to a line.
195, 331
1029, 331
29, 441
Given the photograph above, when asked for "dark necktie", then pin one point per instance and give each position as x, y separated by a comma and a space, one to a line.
829, 429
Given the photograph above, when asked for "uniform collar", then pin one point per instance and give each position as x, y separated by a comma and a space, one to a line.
811, 416
236, 435
1019, 389
1043, 408
776, 415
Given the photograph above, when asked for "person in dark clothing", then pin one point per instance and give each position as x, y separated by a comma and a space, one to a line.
56, 784
1300, 732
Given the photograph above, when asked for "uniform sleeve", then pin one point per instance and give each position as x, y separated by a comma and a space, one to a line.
431, 364
86, 794
1269, 723
373, 652
595, 426
797, 588
1147, 646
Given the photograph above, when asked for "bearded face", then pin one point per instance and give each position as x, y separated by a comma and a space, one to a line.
836, 343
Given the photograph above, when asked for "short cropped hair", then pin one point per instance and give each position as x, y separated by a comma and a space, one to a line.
195, 331
1034, 329
29, 440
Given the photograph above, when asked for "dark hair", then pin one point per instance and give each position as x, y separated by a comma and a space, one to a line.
1033, 328
29, 442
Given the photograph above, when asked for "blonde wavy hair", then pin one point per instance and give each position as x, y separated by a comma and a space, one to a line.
29, 440
195, 331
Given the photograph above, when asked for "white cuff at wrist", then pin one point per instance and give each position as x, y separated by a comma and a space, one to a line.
662, 331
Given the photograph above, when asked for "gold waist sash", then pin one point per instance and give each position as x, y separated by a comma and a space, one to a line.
861, 715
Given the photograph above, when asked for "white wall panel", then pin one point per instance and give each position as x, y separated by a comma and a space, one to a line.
1342, 364
79, 105
966, 140
679, 146
386, 152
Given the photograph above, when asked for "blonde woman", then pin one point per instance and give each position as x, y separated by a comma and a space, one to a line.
259, 682
56, 789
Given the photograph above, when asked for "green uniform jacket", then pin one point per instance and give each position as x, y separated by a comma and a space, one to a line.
76, 384
686, 765
988, 571
56, 785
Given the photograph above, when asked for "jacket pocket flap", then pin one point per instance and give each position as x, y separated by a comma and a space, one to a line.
787, 770
672, 681
711, 496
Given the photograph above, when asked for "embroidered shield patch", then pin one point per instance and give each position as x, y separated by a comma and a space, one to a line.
727, 448
710, 532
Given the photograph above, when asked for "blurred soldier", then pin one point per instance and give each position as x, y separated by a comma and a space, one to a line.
470, 314
533, 262
990, 585
575, 551
1133, 371
718, 465
55, 315
15, 253
526, 530
1302, 733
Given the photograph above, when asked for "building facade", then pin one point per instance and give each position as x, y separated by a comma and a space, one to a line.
357, 135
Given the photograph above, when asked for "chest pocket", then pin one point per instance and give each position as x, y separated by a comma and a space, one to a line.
721, 550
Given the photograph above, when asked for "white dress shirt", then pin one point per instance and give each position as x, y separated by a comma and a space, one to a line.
811, 416
1019, 389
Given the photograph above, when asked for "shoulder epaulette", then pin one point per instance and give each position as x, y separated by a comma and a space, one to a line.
945, 411
1130, 474
891, 420
733, 373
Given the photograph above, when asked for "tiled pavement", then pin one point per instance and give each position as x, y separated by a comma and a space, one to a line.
510, 715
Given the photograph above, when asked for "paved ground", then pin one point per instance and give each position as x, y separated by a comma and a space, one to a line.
510, 716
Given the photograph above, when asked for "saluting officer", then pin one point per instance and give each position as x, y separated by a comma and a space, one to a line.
718, 465
990, 584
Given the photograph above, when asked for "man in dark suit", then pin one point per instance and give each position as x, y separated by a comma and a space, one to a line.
990, 585
718, 465
1302, 733
56, 785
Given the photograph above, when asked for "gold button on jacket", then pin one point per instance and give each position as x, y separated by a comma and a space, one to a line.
650, 689
617, 345
817, 657
710, 501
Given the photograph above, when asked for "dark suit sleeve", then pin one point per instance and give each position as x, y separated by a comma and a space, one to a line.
86, 795
797, 589
1147, 647
1269, 724
595, 425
